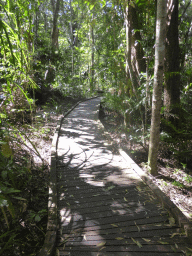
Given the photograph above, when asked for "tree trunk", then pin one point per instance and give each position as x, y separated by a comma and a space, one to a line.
92, 56
72, 39
132, 64
36, 25
129, 68
158, 83
135, 62
172, 63
55, 32
137, 49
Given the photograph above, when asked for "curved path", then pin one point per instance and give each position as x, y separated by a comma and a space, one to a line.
104, 207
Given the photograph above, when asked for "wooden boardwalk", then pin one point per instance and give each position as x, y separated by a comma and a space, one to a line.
104, 207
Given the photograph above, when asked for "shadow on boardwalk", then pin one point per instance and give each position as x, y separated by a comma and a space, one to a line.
104, 207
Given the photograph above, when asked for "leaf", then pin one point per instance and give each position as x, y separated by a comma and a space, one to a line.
114, 225
57, 252
138, 188
161, 242
137, 226
7, 190
137, 242
101, 244
102, 248
2, 115
37, 218
125, 199
20, 198
6, 150
119, 238
174, 234
109, 188
171, 221
173, 248
146, 240
97, 195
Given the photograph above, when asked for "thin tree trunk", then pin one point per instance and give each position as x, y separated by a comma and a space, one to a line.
55, 32
158, 84
147, 98
147, 91
92, 57
129, 69
71, 34
36, 21
45, 21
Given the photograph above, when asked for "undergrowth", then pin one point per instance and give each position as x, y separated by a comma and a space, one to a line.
24, 183
23, 201
175, 142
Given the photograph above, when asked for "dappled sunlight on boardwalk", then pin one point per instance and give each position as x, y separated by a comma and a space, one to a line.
104, 207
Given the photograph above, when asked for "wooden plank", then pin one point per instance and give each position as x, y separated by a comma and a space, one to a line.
88, 192
86, 253
179, 241
122, 231
117, 219
127, 248
122, 224
105, 195
93, 236
101, 210
116, 201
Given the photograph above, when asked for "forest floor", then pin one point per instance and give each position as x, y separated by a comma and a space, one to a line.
174, 181
174, 178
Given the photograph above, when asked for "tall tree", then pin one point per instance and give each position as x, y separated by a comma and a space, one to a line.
129, 68
135, 62
158, 84
172, 62
55, 32
72, 38
92, 68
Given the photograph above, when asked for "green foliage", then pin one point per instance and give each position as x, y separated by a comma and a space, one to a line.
178, 184
114, 102
178, 136
90, 57
188, 178
15, 62
21, 216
